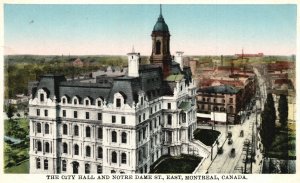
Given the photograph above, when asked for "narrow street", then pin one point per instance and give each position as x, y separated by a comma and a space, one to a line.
228, 163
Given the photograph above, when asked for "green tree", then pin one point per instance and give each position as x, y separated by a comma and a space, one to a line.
283, 110
10, 111
268, 123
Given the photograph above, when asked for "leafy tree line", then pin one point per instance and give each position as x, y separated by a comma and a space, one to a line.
267, 131
275, 139
19, 70
283, 110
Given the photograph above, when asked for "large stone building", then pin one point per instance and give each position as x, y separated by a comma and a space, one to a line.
119, 124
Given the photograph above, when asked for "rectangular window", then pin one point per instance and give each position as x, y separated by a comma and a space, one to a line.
144, 133
151, 111
64, 113
159, 120
118, 102
42, 97
87, 115
169, 105
38, 112
150, 125
169, 119
140, 135
75, 114
46, 112
113, 119
45, 164
140, 118
144, 116
123, 120
100, 135
99, 116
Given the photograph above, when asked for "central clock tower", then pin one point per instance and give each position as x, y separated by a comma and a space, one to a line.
161, 45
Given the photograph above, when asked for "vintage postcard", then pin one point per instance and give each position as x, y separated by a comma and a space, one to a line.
158, 92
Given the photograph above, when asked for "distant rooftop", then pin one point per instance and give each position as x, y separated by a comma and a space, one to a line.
223, 89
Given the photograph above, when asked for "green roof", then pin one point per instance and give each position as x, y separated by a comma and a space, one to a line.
161, 25
185, 106
175, 77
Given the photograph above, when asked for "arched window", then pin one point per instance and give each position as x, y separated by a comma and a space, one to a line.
114, 157
87, 102
38, 163
76, 130
45, 164
123, 158
113, 136
100, 153
65, 129
75, 100
47, 147
64, 165
76, 149
87, 131
124, 137
99, 103
39, 146
65, 148
39, 128
88, 151
64, 100
87, 168
158, 47
46, 128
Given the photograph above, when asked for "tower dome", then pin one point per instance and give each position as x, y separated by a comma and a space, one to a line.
161, 25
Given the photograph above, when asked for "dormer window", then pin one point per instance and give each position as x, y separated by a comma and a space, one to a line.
118, 104
75, 100
42, 99
119, 99
87, 102
99, 102
142, 100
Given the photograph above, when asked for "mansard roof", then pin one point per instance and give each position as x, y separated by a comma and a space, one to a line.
150, 81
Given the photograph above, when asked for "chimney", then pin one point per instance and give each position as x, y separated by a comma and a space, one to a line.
178, 58
133, 63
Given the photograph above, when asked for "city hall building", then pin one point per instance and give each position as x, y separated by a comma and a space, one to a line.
119, 124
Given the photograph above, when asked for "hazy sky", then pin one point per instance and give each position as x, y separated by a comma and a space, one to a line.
114, 29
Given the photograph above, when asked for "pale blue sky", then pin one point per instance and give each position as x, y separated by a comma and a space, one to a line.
113, 29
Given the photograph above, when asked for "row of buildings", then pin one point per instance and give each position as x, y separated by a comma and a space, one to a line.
224, 93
